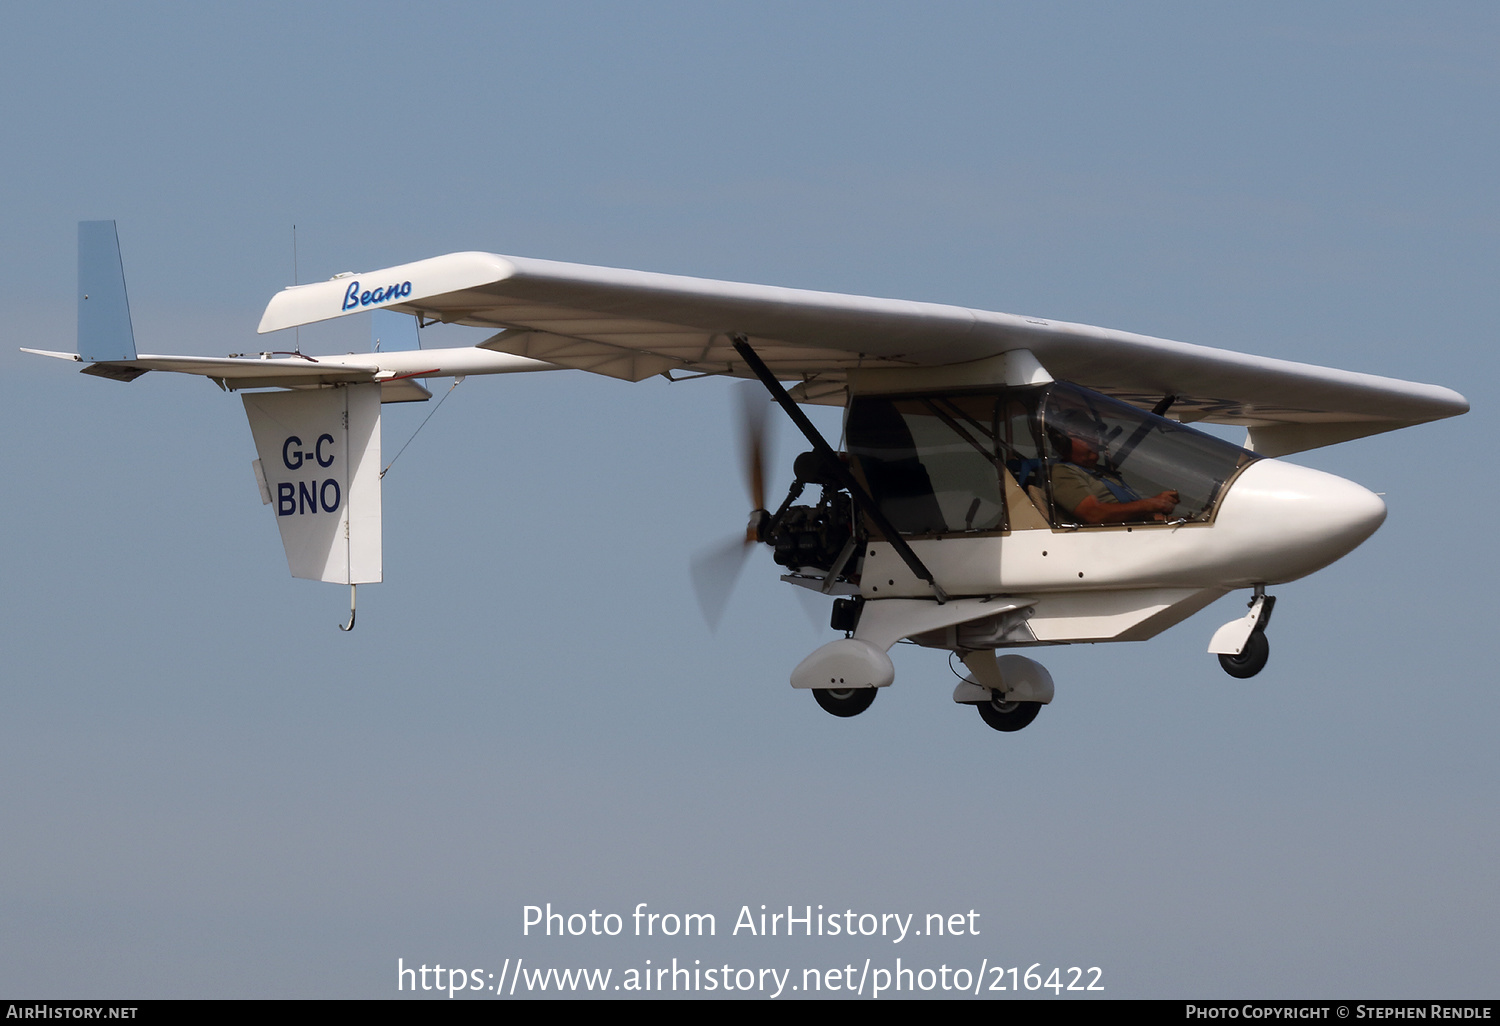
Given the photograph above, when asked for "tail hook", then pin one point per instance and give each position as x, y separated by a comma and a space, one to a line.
350, 625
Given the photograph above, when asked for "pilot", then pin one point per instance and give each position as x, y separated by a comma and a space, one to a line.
1093, 495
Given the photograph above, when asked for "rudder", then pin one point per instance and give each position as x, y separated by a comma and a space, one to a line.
104, 330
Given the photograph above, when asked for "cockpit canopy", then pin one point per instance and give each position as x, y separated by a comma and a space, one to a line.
965, 462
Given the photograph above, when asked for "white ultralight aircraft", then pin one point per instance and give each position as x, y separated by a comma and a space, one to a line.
1008, 481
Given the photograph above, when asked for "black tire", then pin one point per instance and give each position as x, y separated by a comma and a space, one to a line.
845, 701
1249, 662
1008, 716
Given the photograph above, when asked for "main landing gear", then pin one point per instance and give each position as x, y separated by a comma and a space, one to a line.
845, 675
1007, 690
845, 701
1007, 716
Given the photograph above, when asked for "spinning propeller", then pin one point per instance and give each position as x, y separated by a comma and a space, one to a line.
715, 570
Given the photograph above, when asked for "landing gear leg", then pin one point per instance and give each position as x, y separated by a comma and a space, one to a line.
1245, 660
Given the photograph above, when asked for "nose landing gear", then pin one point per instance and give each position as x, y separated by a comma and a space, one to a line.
1251, 660
1241, 644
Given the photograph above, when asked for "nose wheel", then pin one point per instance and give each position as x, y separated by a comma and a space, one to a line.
1245, 658
1251, 660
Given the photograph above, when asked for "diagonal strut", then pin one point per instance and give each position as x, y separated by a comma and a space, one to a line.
836, 466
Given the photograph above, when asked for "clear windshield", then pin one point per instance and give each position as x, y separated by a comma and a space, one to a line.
1122, 455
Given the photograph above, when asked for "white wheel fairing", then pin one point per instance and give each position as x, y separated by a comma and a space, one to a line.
845, 663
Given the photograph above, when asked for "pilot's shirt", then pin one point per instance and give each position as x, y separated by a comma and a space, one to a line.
1071, 484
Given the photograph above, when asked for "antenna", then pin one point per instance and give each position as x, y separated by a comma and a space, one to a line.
297, 332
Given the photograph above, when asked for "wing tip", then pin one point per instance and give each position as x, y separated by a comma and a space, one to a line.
398, 287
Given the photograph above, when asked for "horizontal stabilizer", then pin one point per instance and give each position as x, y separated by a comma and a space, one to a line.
397, 373
114, 371
104, 331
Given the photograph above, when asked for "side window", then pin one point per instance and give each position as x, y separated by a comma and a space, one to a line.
931, 463
885, 453
1024, 462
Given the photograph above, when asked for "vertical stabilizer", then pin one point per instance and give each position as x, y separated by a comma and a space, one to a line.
104, 332
320, 468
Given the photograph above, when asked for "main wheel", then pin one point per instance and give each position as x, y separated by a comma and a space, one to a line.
1008, 716
1250, 661
844, 701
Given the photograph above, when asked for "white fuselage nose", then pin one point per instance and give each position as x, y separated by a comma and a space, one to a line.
1276, 523
1280, 521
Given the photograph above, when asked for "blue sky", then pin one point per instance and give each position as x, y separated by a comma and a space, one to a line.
210, 791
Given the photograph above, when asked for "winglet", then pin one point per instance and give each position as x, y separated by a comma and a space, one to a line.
104, 332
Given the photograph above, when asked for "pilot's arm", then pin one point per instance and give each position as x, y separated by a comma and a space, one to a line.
1090, 502
1092, 511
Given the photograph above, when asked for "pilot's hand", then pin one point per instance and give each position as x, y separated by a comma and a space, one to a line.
1164, 502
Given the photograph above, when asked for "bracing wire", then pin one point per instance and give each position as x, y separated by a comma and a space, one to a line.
420, 426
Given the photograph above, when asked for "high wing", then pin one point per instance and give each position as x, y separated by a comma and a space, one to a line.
637, 324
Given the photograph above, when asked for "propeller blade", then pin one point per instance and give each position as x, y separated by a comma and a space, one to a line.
714, 572
754, 440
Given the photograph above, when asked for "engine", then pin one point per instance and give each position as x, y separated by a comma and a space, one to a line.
811, 537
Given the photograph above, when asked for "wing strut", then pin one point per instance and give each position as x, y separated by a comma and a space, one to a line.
836, 466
